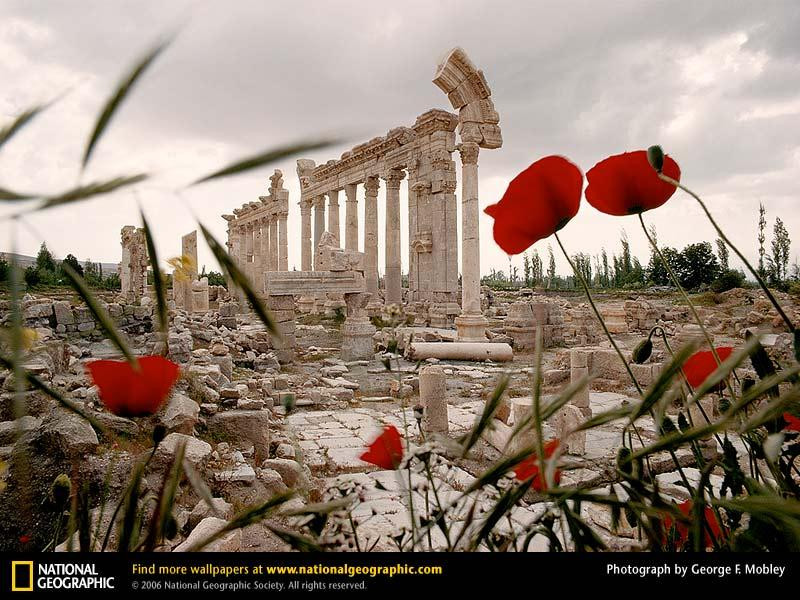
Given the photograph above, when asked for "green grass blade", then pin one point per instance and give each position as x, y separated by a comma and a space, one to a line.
120, 93
489, 411
264, 158
97, 188
240, 280
99, 312
158, 280
7, 132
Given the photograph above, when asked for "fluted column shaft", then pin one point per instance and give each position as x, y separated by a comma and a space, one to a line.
273, 242
371, 186
305, 234
319, 224
283, 242
351, 217
393, 274
333, 215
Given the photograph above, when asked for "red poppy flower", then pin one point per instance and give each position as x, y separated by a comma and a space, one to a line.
538, 202
712, 530
702, 364
792, 422
529, 468
626, 184
128, 392
386, 451
24, 539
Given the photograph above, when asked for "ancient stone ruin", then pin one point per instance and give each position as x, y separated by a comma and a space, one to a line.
133, 266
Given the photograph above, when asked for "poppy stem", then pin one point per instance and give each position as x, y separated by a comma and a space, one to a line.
585, 285
725, 239
686, 299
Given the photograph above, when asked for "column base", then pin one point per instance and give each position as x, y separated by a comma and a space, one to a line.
471, 328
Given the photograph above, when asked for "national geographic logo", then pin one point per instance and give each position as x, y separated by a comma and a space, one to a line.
27, 576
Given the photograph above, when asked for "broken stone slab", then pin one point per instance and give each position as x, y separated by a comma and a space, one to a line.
67, 433
473, 351
196, 450
290, 470
180, 415
237, 426
9, 430
242, 473
230, 542
220, 509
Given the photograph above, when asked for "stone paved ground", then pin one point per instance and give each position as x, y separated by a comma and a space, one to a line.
332, 440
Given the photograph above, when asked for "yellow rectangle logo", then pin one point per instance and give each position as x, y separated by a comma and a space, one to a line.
26, 583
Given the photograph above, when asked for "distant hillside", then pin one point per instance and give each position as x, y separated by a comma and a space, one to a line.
26, 261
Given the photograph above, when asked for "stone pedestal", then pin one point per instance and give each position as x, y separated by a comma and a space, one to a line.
578, 368
357, 331
199, 302
520, 325
282, 309
471, 328
433, 397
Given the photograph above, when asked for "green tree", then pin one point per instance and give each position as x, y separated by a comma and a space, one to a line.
526, 269
537, 270
657, 272
551, 266
723, 254
44, 260
4, 269
70, 260
583, 264
697, 265
779, 261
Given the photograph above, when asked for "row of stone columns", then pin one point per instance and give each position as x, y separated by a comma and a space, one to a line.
393, 269
259, 244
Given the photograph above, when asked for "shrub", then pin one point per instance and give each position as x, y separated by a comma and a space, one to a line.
728, 280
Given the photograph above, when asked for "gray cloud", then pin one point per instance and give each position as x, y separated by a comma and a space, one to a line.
717, 83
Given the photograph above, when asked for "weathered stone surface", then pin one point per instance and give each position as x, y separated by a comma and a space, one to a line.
196, 450
433, 397
181, 414
221, 509
230, 542
241, 426
290, 470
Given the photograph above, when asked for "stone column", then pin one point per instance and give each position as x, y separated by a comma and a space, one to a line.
393, 278
433, 397
333, 215
273, 243
283, 242
248, 240
259, 256
319, 221
471, 324
351, 217
305, 234
371, 238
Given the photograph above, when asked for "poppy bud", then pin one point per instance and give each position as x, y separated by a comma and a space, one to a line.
159, 433
60, 490
642, 351
655, 156
419, 411
289, 402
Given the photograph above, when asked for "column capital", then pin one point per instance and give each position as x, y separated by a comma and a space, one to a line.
319, 202
305, 205
333, 197
469, 153
393, 177
371, 186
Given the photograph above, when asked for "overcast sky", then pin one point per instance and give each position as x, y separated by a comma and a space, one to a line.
717, 84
